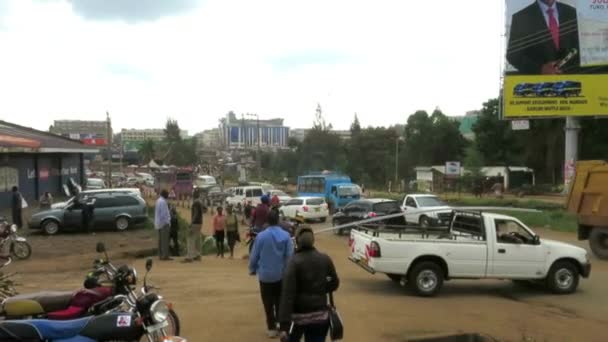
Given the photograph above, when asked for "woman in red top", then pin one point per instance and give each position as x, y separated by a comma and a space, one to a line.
219, 231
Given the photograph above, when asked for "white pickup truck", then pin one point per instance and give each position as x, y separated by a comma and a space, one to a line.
426, 210
476, 246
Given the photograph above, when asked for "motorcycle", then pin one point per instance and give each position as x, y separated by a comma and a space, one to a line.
11, 241
124, 279
148, 320
100, 297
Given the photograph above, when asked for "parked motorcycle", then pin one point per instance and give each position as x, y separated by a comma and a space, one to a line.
124, 280
12, 242
148, 321
108, 289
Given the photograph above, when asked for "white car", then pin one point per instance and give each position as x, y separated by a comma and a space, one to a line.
426, 210
244, 194
283, 197
95, 184
476, 246
309, 208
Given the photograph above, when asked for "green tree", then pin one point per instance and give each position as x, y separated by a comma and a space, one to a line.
473, 161
320, 123
355, 127
447, 142
494, 138
172, 131
147, 151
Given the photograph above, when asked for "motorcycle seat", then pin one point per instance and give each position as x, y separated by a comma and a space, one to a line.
13, 331
38, 303
59, 330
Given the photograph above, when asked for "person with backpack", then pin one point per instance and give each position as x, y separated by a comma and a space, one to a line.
309, 278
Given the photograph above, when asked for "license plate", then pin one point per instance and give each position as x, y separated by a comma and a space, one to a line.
317, 209
157, 327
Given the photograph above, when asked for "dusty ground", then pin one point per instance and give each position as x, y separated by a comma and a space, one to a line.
217, 300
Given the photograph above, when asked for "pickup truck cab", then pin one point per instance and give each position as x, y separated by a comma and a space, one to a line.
476, 246
426, 210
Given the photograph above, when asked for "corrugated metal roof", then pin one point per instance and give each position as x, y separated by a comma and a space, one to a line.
15, 138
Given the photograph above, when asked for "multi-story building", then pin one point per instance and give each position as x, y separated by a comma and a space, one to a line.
245, 132
87, 131
467, 122
156, 134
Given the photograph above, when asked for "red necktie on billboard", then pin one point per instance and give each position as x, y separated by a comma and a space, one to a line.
553, 27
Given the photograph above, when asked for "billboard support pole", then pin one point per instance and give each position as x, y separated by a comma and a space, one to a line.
572, 130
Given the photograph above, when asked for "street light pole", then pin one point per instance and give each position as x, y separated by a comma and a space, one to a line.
396, 161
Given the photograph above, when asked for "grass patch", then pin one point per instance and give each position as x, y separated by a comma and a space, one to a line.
552, 215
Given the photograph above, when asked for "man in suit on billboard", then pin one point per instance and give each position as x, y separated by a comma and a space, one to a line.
543, 35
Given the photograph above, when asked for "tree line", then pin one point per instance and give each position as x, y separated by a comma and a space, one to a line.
372, 155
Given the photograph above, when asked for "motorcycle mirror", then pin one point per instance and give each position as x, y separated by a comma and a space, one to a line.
149, 263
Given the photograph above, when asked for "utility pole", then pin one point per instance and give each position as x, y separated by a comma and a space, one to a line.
109, 146
396, 160
572, 130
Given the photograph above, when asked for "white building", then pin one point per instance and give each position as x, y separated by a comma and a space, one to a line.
156, 134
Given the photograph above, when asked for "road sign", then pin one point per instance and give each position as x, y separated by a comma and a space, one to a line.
520, 125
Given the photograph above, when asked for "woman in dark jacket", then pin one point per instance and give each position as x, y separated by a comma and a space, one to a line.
309, 277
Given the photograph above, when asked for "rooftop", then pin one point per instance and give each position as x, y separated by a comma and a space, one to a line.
20, 139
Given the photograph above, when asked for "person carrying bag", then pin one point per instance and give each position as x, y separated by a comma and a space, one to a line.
308, 284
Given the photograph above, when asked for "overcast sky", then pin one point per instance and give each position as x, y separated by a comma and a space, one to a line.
195, 60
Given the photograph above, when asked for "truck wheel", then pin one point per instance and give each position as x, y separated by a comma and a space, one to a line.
563, 278
598, 241
426, 278
425, 222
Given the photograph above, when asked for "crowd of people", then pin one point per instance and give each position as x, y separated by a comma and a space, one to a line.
295, 279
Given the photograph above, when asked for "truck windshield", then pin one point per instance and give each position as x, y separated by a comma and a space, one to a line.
348, 191
429, 201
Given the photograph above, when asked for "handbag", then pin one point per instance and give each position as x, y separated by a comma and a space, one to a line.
336, 327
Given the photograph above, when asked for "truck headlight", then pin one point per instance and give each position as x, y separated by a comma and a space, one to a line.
159, 311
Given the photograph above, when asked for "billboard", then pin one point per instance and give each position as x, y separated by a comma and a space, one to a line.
556, 58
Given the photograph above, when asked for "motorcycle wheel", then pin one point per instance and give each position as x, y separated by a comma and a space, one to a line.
21, 250
173, 329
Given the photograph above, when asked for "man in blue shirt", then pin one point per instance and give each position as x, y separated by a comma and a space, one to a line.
162, 223
271, 250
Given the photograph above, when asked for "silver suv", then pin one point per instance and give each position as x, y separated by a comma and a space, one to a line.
119, 210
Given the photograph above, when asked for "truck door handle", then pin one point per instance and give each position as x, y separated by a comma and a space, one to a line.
502, 251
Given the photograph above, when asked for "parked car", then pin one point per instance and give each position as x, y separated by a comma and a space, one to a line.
82, 194
476, 246
117, 209
203, 181
308, 208
368, 208
243, 194
95, 184
438, 213
283, 197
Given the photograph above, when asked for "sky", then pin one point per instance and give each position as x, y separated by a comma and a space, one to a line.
144, 61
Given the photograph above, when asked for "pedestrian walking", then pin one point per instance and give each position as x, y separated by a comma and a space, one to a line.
88, 213
259, 218
174, 231
232, 230
17, 205
219, 231
309, 277
247, 212
46, 201
271, 250
194, 233
162, 223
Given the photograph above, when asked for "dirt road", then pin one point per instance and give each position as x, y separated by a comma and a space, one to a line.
217, 300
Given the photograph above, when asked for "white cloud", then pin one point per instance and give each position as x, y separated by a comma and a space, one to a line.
381, 59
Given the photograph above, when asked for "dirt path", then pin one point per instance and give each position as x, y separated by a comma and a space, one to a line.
218, 301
